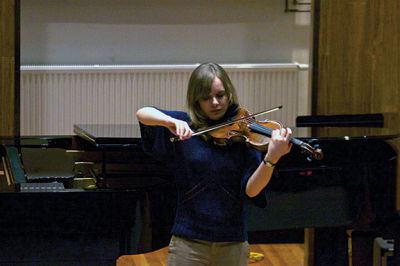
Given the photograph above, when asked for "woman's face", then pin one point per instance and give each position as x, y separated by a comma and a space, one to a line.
216, 103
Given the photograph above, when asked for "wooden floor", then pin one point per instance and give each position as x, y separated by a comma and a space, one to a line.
274, 255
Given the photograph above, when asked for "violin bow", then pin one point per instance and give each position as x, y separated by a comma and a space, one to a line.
230, 122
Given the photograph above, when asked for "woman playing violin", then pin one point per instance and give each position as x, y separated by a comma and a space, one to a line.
213, 182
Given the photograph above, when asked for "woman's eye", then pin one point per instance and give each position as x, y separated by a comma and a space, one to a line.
209, 97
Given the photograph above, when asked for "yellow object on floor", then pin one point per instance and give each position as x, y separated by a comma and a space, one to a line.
255, 256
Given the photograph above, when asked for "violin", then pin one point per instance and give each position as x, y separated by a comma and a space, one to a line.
256, 134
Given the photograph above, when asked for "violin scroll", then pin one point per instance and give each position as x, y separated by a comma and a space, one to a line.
314, 152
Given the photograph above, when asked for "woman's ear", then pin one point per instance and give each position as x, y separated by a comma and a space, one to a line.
230, 97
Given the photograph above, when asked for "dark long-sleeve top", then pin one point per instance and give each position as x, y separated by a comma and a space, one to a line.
210, 180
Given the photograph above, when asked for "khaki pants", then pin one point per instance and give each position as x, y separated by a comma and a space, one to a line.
192, 252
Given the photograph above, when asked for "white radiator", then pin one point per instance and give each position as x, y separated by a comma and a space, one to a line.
54, 98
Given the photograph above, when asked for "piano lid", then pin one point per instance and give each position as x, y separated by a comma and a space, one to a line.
109, 134
102, 135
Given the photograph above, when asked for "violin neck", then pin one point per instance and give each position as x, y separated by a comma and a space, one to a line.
268, 132
315, 153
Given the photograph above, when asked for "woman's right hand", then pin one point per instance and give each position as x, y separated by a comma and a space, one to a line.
179, 128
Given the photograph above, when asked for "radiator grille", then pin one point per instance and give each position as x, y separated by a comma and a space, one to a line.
54, 98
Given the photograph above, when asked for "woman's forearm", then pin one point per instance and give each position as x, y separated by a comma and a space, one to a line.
152, 117
278, 146
259, 179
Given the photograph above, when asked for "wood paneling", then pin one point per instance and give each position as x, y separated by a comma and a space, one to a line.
358, 57
357, 61
8, 108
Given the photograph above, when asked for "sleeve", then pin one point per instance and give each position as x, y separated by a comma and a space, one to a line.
156, 139
253, 160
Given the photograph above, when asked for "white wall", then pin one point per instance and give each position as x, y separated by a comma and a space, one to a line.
161, 32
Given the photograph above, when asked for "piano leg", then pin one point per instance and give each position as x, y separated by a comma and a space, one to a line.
396, 258
392, 231
397, 242
362, 243
330, 246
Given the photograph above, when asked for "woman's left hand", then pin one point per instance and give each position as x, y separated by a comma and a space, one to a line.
279, 144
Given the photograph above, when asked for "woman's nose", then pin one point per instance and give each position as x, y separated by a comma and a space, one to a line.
214, 101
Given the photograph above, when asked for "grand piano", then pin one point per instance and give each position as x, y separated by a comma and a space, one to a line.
114, 199
118, 200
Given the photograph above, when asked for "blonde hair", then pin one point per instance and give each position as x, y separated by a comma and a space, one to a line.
199, 87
